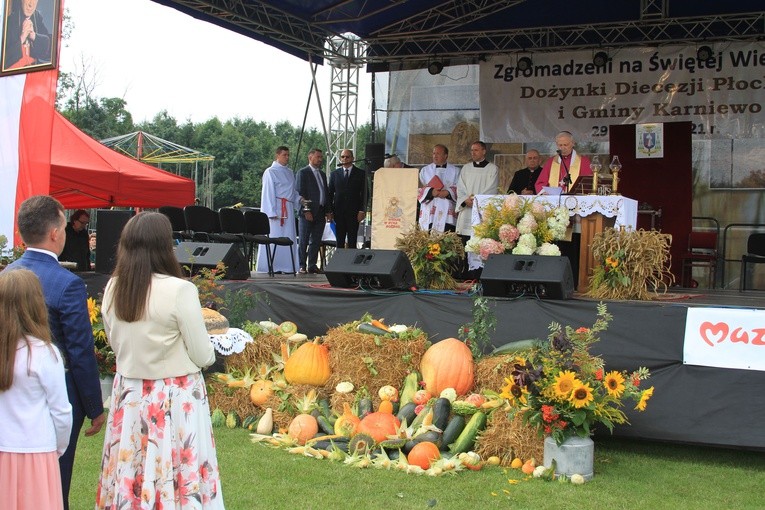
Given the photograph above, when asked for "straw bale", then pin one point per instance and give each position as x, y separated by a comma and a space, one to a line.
258, 351
508, 438
369, 362
231, 399
491, 371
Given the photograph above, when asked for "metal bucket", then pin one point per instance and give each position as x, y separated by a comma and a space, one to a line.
576, 455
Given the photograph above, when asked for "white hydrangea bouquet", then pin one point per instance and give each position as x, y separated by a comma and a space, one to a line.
514, 225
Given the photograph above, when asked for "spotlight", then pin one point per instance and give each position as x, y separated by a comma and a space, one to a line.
524, 64
704, 53
435, 68
600, 59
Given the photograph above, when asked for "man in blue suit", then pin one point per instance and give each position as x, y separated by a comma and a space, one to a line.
42, 226
348, 199
312, 185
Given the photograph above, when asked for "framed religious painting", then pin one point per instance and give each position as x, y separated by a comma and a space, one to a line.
30, 35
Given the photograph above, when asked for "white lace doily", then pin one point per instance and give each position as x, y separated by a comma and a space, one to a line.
231, 341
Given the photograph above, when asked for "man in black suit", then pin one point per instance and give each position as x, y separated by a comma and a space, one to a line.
348, 196
525, 178
312, 185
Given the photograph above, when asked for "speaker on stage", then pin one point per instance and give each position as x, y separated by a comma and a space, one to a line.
375, 154
195, 256
109, 225
530, 275
373, 269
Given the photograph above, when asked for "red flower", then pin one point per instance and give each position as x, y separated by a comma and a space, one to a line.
187, 456
636, 381
148, 386
583, 330
548, 429
599, 374
156, 418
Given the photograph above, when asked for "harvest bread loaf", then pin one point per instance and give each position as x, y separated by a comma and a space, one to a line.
215, 323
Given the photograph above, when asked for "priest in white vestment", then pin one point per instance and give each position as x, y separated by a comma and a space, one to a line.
279, 200
438, 195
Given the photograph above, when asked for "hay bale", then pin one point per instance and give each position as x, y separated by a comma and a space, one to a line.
260, 350
228, 399
369, 362
508, 438
491, 371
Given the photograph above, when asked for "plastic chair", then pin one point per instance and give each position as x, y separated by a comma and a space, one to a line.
258, 230
702, 252
232, 228
202, 221
755, 254
177, 220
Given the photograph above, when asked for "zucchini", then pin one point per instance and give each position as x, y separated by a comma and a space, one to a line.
367, 328
442, 408
364, 407
431, 436
452, 431
411, 385
325, 425
250, 422
406, 412
464, 442
513, 347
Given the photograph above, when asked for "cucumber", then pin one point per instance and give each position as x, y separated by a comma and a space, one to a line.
442, 408
431, 436
325, 425
367, 328
364, 407
452, 431
411, 385
464, 442
513, 347
407, 413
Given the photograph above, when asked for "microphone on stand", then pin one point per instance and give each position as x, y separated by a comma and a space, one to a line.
567, 178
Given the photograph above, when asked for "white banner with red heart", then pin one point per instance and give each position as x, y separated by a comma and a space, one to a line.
725, 338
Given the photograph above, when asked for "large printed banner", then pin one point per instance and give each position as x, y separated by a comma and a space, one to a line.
725, 338
722, 96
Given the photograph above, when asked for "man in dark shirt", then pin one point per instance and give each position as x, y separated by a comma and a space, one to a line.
77, 247
525, 178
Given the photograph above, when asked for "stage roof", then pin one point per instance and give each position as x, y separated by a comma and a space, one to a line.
403, 34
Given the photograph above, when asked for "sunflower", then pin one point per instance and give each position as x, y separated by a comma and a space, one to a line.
513, 393
644, 399
564, 383
582, 395
92, 310
614, 383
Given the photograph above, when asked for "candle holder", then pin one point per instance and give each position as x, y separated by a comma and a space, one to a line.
615, 167
595, 166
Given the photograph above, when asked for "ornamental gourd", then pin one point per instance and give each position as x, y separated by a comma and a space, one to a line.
448, 364
423, 454
309, 364
379, 425
261, 391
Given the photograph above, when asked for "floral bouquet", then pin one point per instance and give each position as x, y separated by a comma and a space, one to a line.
105, 357
518, 226
434, 256
563, 390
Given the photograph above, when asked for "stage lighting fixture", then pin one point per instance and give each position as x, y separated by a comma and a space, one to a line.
435, 68
704, 53
600, 59
524, 64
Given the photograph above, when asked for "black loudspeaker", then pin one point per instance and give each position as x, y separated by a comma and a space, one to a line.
195, 256
375, 154
372, 269
109, 225
531, 275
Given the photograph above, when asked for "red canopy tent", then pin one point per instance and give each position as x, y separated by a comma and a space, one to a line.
85, 174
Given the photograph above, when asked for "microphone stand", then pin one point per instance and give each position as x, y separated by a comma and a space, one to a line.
567, 178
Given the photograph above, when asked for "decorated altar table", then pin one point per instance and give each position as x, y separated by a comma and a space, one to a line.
596, 212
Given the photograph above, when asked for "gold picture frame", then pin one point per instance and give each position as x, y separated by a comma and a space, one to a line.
30, 35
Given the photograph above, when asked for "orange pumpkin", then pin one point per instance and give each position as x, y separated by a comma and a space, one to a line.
448, 364
347, 423
379, 425
309, 364
423, 454
303, 427
261, 391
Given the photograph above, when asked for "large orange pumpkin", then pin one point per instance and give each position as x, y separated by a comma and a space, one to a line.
379, 425
423, 454
309, 364
448, 364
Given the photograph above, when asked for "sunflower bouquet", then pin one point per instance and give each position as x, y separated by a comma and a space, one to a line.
105, 357
563, 390
518, 226
434, 256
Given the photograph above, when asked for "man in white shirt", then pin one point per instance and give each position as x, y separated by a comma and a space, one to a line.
438, 194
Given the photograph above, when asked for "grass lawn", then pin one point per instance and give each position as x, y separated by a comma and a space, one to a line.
629, 474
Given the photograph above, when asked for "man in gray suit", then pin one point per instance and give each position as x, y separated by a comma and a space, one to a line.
312, 185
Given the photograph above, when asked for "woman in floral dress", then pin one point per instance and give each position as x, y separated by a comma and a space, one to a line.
159, 451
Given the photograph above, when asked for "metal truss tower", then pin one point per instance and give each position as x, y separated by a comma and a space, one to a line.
345, 54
